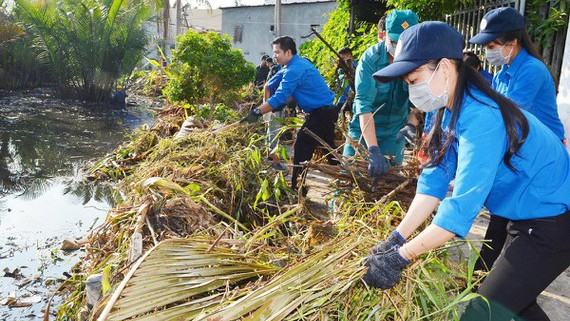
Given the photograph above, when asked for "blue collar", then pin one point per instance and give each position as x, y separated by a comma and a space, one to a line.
519, 60
293, 59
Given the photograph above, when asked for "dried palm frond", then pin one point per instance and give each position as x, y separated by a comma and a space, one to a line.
176, 278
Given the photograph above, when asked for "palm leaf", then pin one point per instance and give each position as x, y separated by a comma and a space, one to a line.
181, 280
310, 284
177, 278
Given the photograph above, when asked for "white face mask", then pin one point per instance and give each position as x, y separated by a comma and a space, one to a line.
422, 97
495, 56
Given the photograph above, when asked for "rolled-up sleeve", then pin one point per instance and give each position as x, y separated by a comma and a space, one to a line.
479, 153
291, 79
434, 181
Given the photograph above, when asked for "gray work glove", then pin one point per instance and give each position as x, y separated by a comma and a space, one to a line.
395, 239
377, 164
408, 132
385, 269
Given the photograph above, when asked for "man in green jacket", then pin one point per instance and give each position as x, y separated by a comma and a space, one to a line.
380, 110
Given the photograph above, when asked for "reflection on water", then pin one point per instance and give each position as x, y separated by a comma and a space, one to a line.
43, 144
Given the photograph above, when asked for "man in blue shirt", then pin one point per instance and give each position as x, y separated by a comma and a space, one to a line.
302, 81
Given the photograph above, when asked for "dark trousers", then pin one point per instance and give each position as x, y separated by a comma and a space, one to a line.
496, 235
321, 122
535, 253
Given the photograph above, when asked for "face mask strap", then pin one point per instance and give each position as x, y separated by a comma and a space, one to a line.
445, 94
508, 57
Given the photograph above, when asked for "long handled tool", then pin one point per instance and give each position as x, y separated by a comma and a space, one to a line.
349, 71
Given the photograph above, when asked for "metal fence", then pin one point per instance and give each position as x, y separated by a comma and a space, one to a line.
468, 18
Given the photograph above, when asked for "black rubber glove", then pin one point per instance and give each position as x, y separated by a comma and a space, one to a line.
252, 117
385, 269
377, 164
408, 132
395, 239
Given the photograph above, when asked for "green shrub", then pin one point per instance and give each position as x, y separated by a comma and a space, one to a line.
219, 112
20, 66
431, 9
205, 69
335, 32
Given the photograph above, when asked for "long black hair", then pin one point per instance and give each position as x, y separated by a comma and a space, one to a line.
526, 43
523, 39
516, 123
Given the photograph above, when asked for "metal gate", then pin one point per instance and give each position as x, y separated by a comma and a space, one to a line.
467, 19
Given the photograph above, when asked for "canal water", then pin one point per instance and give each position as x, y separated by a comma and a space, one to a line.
44, 145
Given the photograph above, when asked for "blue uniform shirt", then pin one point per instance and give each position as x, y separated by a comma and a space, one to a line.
304, 82
529, 84
429, 121
487, 75
388, 102
539, 188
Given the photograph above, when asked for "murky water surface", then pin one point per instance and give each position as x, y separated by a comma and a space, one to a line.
44, 142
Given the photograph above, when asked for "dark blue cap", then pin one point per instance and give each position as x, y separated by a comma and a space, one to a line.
430, 40
497, 22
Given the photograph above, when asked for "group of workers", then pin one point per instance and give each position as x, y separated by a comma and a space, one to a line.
498, 138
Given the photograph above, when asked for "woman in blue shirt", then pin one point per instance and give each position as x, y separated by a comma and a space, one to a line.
525, 79
501, 157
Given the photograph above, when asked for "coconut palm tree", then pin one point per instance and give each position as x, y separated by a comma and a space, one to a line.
89, 44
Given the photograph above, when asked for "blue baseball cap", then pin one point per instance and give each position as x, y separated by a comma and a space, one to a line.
399, 20
430, 40
497, 22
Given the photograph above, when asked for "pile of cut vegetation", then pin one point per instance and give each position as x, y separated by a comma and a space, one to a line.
207, 230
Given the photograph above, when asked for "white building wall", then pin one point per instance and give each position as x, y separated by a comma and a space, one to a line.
255, 25
564, 91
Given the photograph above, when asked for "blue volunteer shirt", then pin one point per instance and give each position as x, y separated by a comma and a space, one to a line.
302, 81
539, 188
429, 121
486, 75
528, 82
